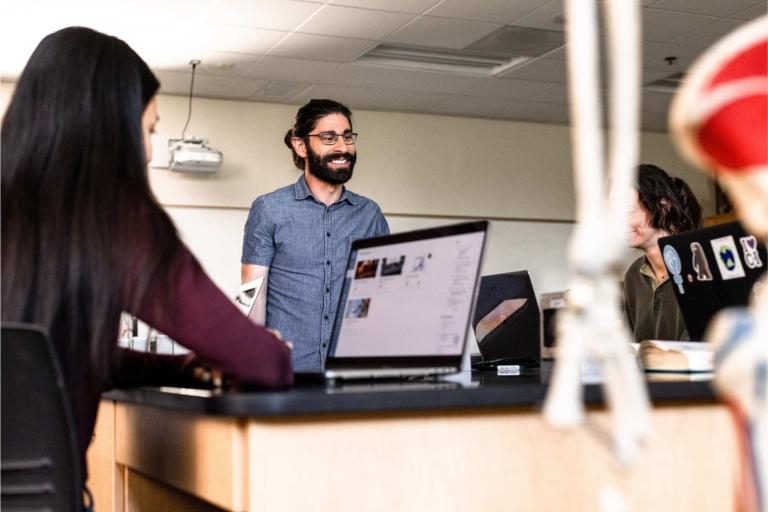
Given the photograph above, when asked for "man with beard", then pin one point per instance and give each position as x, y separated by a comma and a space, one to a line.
297, 238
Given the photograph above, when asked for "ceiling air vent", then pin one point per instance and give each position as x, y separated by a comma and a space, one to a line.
493, 55
667, 84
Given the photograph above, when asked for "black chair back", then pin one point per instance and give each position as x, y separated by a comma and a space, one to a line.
40, 461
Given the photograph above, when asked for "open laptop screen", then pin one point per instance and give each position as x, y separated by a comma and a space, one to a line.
409, 295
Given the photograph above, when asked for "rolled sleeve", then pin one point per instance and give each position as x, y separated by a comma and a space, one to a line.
258, 237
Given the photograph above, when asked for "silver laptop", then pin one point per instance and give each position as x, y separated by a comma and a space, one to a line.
406, 303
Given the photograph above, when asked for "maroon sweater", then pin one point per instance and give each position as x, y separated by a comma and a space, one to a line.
202, 319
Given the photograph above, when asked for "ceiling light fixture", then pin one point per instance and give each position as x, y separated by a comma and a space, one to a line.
438, 59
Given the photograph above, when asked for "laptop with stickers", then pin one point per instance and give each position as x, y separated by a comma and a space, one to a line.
711, 269
406, 303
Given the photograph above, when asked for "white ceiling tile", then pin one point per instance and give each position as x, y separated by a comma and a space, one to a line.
405, 101
664, 26
470, 106
559, 54
141, 10
244, 87
442, 32
268, 14
655, 121
215, 63
654, 56
710, 34
235, 39
656, 101
213, 86
722, 8
761, 9
651, 75
280, 90
352, 22
356, 75
549, 17
505, 89
205, 85
552, 93
446, 83
283, 68
350, 96
406, 6
497, 11
503, 109
328, 48
543, 70
173, 82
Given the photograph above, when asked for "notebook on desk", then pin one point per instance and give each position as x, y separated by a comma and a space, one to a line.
710, 269
406, 303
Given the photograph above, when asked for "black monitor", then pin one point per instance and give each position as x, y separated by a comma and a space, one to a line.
507, 320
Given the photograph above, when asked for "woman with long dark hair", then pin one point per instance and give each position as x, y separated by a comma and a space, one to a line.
665, 205
83, 237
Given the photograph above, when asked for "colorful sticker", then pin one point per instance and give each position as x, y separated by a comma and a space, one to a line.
699, 262
675, 266
751, 254
727, 257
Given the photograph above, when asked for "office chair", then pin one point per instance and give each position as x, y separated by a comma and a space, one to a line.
40, 467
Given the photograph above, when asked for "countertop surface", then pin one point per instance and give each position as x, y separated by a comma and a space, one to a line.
468, 390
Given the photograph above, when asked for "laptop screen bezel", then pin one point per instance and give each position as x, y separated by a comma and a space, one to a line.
405, 361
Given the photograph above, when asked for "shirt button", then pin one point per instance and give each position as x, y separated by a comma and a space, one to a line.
328, 233
327, 289
325, 344
326, 317
328, 262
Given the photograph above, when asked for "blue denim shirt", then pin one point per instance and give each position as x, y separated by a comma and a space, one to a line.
305, 244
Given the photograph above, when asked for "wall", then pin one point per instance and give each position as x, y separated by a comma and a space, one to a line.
422, 170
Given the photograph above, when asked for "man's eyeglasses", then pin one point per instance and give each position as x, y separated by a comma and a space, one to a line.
330, 138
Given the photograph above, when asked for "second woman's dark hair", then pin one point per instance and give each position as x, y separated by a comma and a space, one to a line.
306, 119
81, 229
670, 201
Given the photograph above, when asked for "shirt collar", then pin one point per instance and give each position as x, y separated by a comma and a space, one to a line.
301, 191
646, 270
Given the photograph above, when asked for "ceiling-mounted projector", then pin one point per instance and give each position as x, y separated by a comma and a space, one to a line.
193, 156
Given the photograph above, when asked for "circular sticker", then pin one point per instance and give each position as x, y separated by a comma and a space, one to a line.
672, 260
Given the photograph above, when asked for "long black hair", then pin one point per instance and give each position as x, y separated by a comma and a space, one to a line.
670, 201
82, 234
306, 120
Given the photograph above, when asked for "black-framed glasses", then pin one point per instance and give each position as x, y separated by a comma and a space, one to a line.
330, 138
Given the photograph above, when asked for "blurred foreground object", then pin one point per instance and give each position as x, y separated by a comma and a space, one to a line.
719, 120
590, 330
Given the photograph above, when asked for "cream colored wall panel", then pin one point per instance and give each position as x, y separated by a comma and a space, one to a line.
409, 163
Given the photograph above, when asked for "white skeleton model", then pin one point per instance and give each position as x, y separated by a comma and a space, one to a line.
719, 121
591, 326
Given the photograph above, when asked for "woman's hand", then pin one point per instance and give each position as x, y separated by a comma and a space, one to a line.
278, 335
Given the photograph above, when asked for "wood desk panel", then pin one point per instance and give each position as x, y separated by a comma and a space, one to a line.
452, 460
201, 455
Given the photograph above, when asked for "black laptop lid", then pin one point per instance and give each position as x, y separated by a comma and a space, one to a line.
710, 269
507, 320
407, 299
